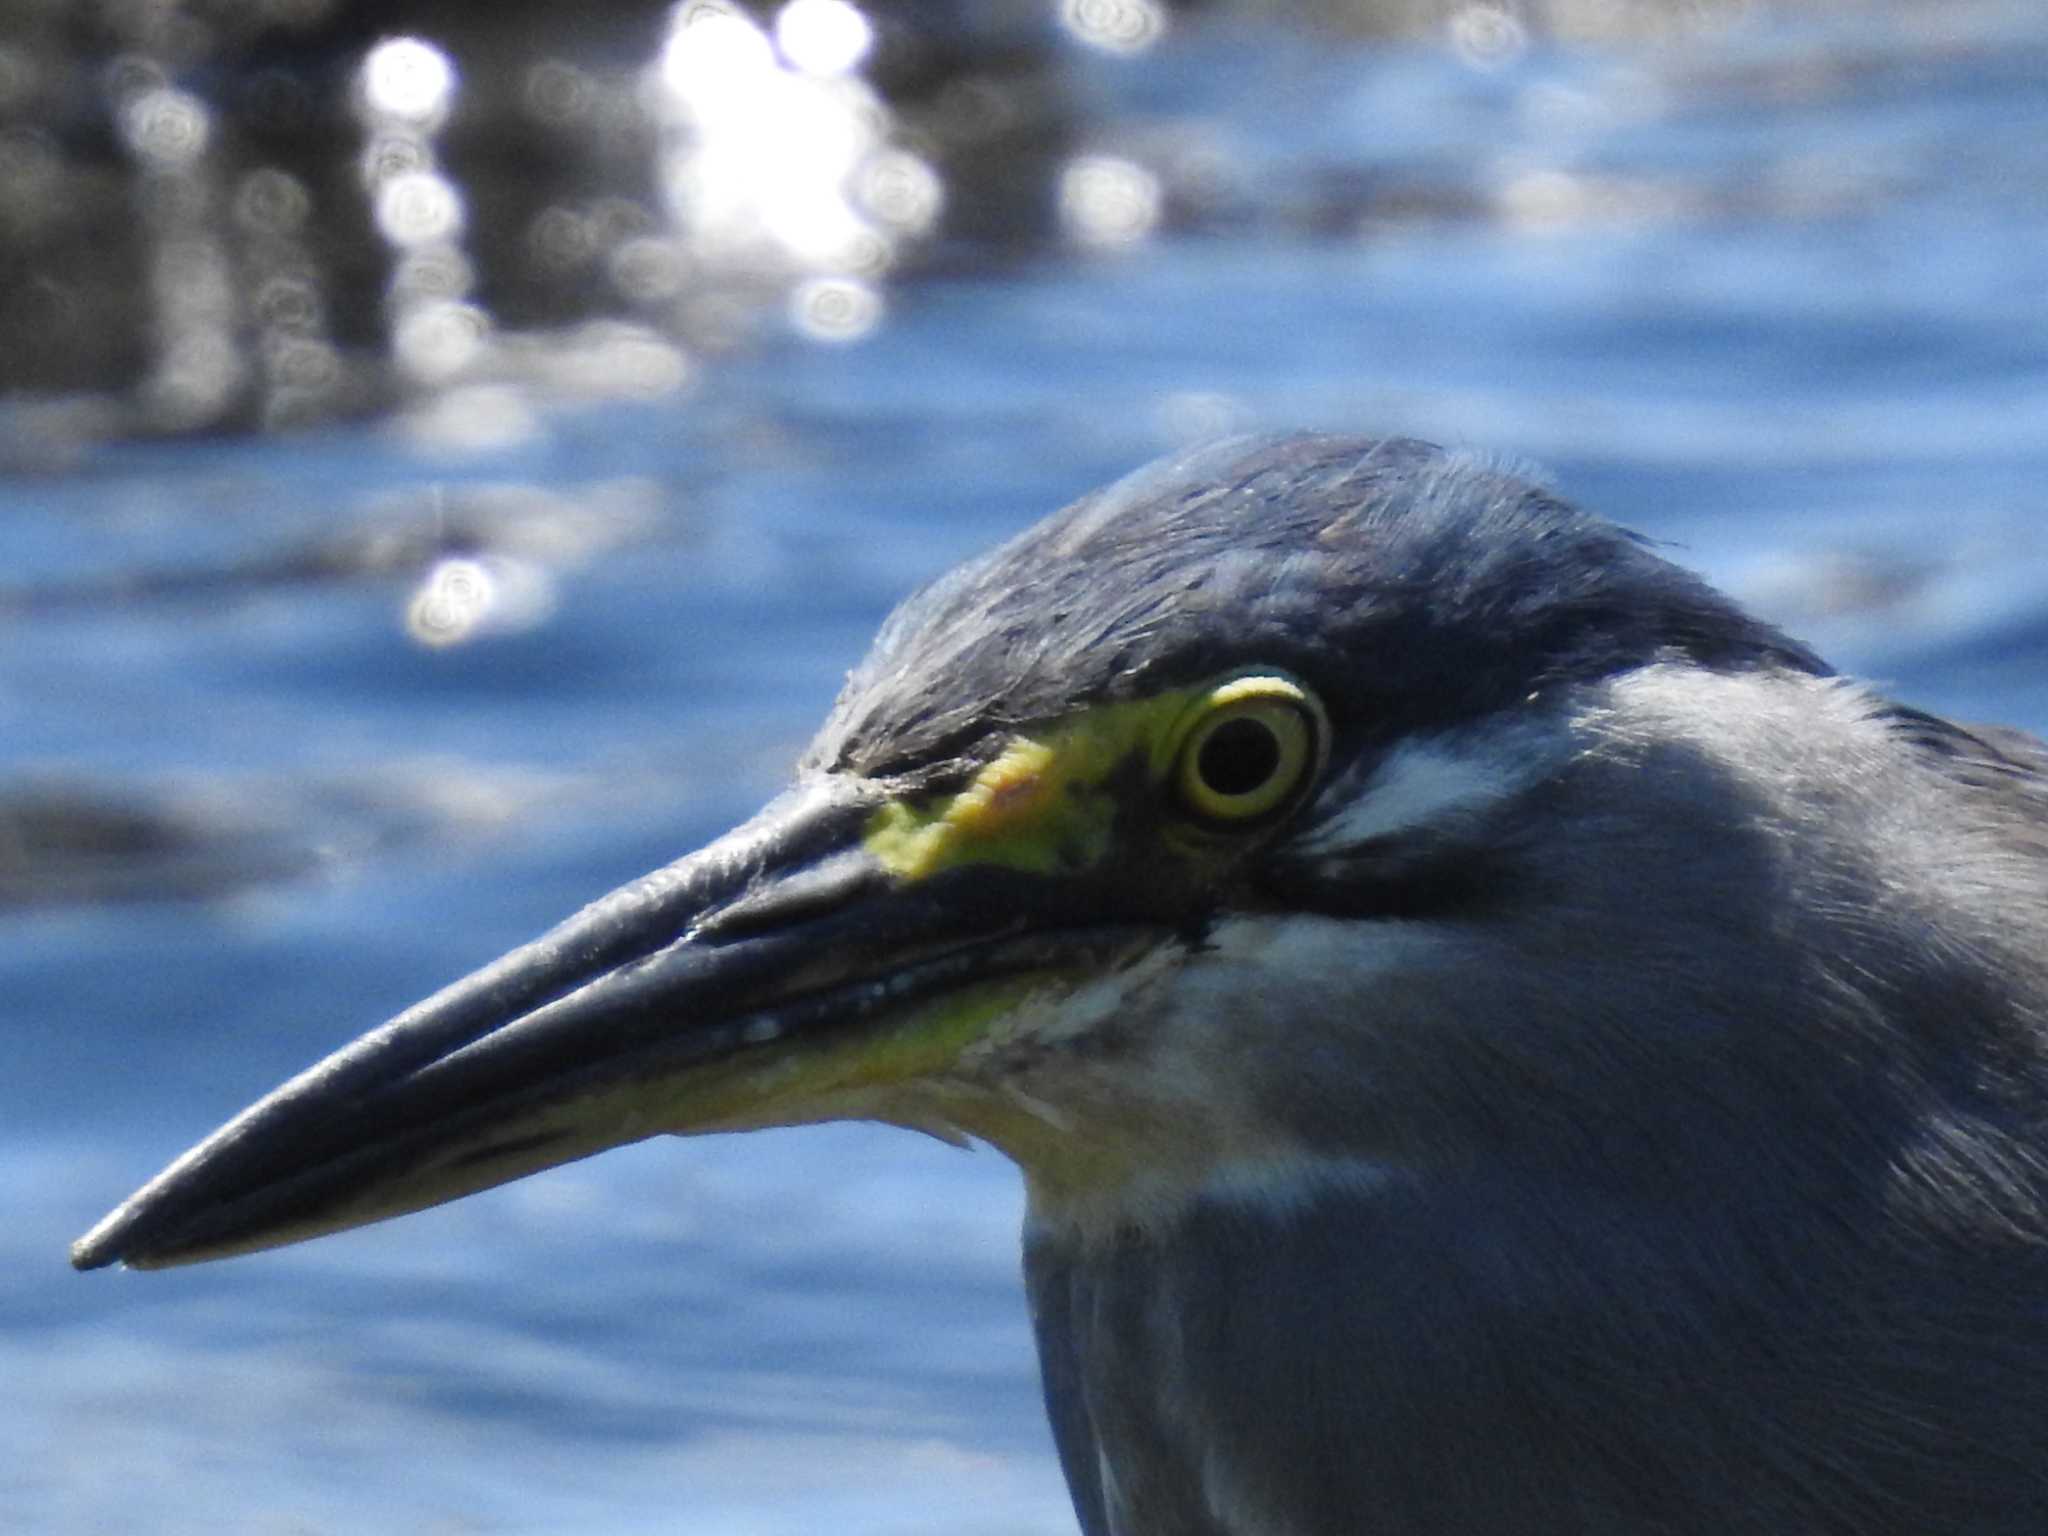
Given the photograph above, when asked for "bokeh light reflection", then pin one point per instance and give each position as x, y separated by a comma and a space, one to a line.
1107, 202
435, 341
437, 272
198, 370
779, 173
1488, 36
408, 80
449, 605
406, 90
835, 309
714, 54
272, 202
166, 127
902, 191
1116, 26
462, 598
419, 208
822, 37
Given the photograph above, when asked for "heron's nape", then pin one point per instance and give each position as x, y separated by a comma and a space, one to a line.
1496, 1037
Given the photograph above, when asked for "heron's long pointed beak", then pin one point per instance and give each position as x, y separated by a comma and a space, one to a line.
783, 973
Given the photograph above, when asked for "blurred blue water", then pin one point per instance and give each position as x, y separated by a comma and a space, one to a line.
1780, 296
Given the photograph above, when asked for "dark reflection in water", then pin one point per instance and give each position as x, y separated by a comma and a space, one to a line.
271, 212
256, 213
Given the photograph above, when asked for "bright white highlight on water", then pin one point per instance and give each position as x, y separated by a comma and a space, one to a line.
902, 191
763, 159
1107, 201
714, 56
434, 341
461, 599
450, 603
1116, 26
823, 37
835, 308
408, 79
167, 128
406, 88
419, 208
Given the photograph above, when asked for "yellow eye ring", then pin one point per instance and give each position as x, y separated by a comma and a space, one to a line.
1251, 744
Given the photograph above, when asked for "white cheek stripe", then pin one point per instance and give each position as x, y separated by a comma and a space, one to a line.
1425, 780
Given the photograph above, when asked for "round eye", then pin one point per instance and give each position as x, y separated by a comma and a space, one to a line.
1254, 743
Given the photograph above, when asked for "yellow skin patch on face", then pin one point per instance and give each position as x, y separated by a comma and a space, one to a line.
811, 1079
987, 1059
1046, 804
1043, 805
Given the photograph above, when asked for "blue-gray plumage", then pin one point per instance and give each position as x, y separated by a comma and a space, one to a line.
1417, 586
1499, 1041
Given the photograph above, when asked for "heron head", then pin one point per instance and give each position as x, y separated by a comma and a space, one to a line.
1185, 835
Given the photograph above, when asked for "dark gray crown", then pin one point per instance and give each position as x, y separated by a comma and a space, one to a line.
1411, 586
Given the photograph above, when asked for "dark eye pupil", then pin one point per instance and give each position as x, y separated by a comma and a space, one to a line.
1238, 757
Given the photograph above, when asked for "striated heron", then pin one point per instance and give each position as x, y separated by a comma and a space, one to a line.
1497, 1039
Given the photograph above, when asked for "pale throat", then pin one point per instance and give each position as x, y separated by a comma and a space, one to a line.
1127, 1096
